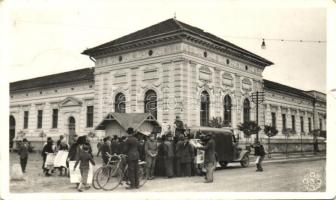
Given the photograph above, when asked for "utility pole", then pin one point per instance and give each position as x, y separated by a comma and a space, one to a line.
257, 98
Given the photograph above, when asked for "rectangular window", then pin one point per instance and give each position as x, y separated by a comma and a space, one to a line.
39, 118
283, 121
89, 116
25, 119
309, 124
54, 118
302, 124
273, 119
293, 123
320, 124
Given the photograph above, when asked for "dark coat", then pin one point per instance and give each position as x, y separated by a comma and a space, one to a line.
84, 158
23, 151
168, 149
209, 151
187, 153
114, 147
132, 147
74, 151
47, 149
259, 150
105, 148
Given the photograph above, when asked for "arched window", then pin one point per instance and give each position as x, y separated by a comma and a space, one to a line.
247, 109
151, 103
120, 103
205, 108
227, 110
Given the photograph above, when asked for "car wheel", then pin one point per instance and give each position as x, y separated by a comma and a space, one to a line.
245, 161
223, 163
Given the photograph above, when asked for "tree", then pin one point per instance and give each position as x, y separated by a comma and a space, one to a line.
270, 131
249, 128
217, 122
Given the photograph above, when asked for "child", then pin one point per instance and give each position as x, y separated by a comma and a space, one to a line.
84, 159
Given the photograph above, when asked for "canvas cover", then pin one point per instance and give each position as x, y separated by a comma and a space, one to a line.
127, 120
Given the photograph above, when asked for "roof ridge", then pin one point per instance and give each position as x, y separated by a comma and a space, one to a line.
178, 23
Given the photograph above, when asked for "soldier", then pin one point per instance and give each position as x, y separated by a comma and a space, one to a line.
151, 151
132, 152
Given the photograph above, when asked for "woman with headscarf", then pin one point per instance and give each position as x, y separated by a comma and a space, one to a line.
48, 148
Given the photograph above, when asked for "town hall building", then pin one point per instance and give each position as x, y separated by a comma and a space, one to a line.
168, 69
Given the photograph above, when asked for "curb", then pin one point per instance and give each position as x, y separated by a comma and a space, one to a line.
299, 159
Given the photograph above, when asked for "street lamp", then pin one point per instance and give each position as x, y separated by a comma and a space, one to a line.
257, 98
263, 44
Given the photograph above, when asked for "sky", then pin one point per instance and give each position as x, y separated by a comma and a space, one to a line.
47, 37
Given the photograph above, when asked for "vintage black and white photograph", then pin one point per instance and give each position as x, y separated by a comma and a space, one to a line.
135, 97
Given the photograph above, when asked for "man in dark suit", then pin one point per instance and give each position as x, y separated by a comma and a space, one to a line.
209, 157
131, 149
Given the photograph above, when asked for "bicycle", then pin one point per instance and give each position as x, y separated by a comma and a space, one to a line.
114, 173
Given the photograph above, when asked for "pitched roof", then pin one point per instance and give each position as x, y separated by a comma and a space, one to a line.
86, 74
167, 27
126, 120
285, 89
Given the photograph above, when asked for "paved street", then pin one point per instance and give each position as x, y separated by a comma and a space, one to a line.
277, 177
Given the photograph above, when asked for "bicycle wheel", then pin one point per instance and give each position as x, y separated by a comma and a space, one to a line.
102, 177
113, 180
95, 179
142, 174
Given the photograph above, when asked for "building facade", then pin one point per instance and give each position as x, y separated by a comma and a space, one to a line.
169, 69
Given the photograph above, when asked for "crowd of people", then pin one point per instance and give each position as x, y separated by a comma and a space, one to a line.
166, 155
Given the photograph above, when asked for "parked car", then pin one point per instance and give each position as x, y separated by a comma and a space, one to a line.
227, 149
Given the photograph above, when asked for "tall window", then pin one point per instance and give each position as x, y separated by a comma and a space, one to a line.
247, 109
309, 124
54, 118
151, 103
120, 103
273, 119
320, 124
205, 109
39, 118
302, 123
293, 122
227, 109
25, 119
89, 116
284, 121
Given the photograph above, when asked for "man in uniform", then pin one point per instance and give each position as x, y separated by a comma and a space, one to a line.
151, 151
132, 152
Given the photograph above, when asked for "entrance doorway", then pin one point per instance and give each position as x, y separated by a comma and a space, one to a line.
72, 129
11, 131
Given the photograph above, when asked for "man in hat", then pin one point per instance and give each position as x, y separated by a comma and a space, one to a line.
151, 151
105, 148
132, 152
209, 157
187, 156
169, 155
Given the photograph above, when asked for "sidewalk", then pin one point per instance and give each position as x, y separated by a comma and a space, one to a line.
296, 157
